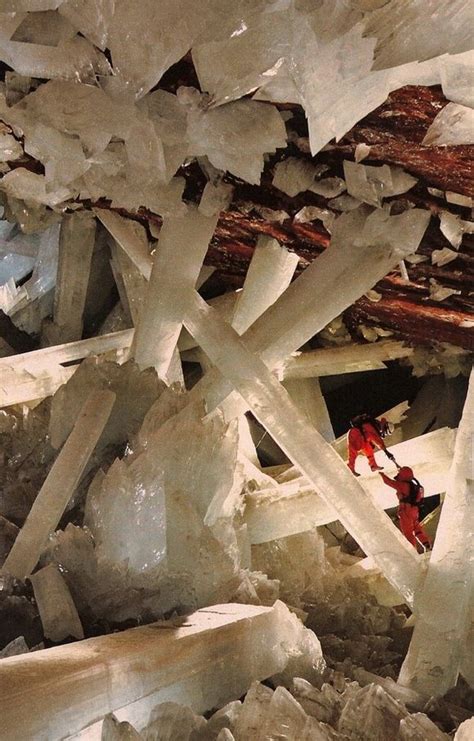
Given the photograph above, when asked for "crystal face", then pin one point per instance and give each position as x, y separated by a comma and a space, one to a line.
229, 229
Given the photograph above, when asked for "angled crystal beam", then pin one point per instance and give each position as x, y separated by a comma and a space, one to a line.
76, 243
134, 282
315, 458
295, 506
132, 671
442, 608
362, 252
307, 396
178, 260
269, 275
60, 483
57, 610
131, 236
39, 373
351, 358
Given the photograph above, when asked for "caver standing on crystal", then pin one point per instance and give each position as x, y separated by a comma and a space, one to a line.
365, 437
410, 495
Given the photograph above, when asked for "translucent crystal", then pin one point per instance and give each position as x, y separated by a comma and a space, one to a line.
465, 730
113, 730
453, 125
10, 148
59, 485
171, 721
307, 396
174, 657
418, 727
131, 237
91, 17
300, 441
269, 274
453, 228
372, 713
135, 393
442, 607
292, 175
457, 79
182, 246
443, 257
372, 184
236, 136
57, 610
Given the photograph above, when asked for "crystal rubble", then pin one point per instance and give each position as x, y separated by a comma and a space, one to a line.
303, 444
364, 248
453, 228
59, 485
295, 506
442, 607
57, 610
269, 275
372, 184
76, 243
258, 641
182, 246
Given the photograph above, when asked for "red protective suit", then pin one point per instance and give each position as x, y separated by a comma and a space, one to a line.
408, 514
364, 444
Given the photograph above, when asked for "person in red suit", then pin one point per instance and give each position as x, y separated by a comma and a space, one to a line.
365, 437
410, 495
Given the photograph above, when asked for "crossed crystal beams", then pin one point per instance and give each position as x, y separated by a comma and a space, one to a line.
442, 608
272, 406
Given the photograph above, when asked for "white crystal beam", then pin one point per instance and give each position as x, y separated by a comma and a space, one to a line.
351, 358
315, 458
337, 278
306, 394
60, 483
127, 670
296, 507
181, 250
39, 373
56, 607
76, 243
269, 275
442, 608
130, 236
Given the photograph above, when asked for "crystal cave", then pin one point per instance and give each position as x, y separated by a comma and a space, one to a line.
236, 387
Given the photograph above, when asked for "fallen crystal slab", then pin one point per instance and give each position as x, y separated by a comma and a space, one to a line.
171, 657
56, 608
442, 608
305, 447
59, 485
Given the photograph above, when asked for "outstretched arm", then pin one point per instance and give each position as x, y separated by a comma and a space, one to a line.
390, 482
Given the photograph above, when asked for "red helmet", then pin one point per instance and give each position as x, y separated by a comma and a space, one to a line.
405, 474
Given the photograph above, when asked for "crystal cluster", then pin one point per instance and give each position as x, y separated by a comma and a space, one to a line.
215, 221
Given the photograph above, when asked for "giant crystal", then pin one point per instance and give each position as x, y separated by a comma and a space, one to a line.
442, 608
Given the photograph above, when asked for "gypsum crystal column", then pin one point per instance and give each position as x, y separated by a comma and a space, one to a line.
76, 244
181, 249
442, 608
315, 458
362, 251
269, 275
60, 483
